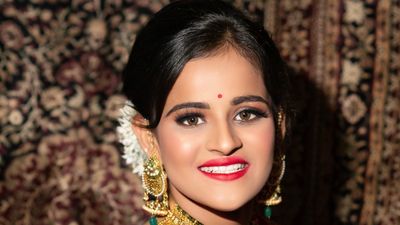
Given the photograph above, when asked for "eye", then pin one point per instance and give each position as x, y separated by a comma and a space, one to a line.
191, 119
249, 114
245, 115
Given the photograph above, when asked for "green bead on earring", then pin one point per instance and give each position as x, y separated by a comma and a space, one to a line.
153, 220
268, 212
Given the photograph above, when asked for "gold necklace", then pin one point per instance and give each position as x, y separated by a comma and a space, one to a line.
177, 216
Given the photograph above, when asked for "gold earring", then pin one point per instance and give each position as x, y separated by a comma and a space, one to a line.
154, 181
280, 120
280, 116
155, 188
276, 197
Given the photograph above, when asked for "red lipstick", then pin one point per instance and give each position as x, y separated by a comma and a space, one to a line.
225, 169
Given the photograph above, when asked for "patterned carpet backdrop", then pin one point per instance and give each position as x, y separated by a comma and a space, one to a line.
60, 65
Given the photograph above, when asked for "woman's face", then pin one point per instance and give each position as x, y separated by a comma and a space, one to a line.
216, 133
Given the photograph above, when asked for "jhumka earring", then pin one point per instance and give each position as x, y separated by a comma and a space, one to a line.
276, 197
154, 183
154, 179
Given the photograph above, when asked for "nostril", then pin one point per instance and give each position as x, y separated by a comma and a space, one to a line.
225, 141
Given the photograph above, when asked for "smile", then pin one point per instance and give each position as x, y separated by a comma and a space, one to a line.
225, 169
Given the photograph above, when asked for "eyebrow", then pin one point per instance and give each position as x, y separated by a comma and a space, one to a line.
248, 98
199, 105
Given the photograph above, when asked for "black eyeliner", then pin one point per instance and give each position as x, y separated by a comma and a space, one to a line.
257, 112
181, 117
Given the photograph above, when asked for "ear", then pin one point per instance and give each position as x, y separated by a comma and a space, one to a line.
145, 136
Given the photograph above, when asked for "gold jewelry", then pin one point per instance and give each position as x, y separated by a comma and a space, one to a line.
280, 117
154, 182
276, 197
177, 216
279, 121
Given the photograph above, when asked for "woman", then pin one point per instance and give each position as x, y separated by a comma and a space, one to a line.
209, 112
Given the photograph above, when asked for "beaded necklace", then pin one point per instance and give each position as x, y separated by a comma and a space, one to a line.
175, 216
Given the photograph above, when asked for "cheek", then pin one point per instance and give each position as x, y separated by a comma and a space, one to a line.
260, 137
259, 144
178, 147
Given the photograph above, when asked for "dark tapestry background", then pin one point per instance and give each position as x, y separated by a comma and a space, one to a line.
60, 93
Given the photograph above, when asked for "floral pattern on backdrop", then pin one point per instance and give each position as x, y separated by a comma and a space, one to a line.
344, 158
60, 94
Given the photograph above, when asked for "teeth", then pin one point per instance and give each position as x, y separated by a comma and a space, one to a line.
223, 169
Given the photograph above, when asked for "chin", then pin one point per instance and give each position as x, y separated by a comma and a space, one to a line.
228, 204
227, 208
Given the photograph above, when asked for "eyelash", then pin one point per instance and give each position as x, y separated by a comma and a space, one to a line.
256, 112
181, 118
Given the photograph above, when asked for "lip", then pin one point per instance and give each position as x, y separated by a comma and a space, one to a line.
226, 161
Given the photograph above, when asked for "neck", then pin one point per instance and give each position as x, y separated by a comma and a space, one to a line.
206, 215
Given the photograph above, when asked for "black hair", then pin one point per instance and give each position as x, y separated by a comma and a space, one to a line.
188, 29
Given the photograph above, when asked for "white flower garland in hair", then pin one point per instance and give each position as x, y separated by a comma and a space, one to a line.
133, 152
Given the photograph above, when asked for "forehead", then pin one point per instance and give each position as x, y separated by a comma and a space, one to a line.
226, 72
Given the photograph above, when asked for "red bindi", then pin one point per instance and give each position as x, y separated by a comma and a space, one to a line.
219, 95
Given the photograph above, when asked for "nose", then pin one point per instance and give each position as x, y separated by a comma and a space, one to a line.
224, 139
